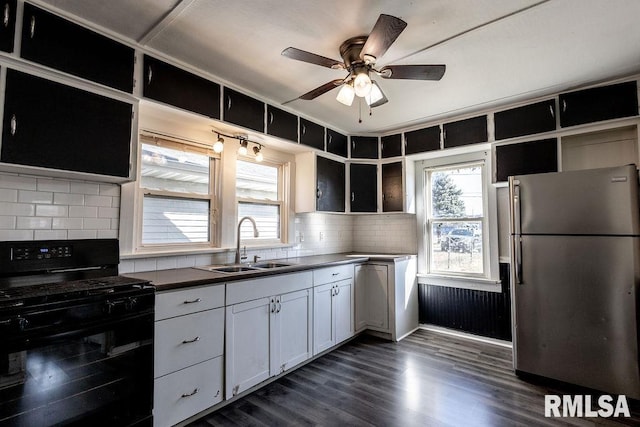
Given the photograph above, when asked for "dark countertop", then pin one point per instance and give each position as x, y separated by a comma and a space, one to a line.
185, 277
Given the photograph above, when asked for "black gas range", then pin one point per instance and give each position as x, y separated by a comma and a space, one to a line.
77, 338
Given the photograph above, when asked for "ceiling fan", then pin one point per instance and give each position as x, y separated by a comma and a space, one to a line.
359, 55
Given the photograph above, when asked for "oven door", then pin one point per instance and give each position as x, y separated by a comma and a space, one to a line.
98, 373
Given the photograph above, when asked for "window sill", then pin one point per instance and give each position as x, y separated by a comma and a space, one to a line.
474, 283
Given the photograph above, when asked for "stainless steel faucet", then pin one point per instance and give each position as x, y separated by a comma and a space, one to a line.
255, 234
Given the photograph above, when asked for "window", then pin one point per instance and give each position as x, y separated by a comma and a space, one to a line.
259, 192
176, 187
455, 219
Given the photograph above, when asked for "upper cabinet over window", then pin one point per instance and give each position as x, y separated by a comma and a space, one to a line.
421, 140
165, 83
8, 24
50, 125
599, 103
52, 41
527, 120
465, 132
241, 109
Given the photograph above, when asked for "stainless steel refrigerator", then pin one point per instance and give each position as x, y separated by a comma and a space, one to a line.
575, 267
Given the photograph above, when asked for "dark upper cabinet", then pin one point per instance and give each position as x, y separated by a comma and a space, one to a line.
526, 158
391, 145
165, 83
392, 187
364, 193
464, 132
330, 176
527, 120
243, 110
311, 134
600, 103
8, 24
53, 41
337, 143
282, 124
421, 140
364, 147
51, 125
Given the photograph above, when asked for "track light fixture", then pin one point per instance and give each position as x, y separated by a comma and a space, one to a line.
218, 146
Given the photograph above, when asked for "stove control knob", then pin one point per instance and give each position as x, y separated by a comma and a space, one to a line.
130, 304
22, 323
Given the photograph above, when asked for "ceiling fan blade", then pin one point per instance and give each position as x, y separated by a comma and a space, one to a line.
312, 94
384, 33
312, 58
413, 72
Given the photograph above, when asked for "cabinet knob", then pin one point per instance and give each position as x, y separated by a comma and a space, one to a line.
32, 27
318, 193
14, 125
5, 18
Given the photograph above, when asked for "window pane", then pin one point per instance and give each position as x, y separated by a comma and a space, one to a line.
256, 181
456, 247
457, 193
267, 218
171, 220
174, 170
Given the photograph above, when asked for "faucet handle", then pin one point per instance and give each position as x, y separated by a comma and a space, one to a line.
256, 258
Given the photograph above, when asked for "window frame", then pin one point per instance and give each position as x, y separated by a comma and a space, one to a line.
489, 280
281, 202
212, 196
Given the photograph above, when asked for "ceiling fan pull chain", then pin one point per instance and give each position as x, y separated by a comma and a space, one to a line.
359, 110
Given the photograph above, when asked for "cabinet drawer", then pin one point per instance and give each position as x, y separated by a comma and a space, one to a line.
186, 340
332, 274
192, 300
185, 393
253, 289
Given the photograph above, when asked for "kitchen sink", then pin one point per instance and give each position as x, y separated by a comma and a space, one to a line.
227, 268
261, 265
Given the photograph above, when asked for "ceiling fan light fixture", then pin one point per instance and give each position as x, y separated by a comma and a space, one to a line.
375, 96
346, 94
362, 84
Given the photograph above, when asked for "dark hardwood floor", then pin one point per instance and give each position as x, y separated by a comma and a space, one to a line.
427, 379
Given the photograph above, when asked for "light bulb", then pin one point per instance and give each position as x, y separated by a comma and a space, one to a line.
362, 85
243, 148
346, 94
218, 146
258, 154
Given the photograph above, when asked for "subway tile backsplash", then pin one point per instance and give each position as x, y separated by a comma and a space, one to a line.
44, 208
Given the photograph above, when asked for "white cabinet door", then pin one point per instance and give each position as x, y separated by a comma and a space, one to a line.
247, 357
323, 318
361, 312
343, 310
291, 330
372, 297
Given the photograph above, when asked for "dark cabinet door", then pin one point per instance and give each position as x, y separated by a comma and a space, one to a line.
527, 120
337, 143
392, 187
364, 192
526, 158
282, 124
391, 145
464, 132
8, 24
421, 140
311, 134
243, 110
600, 103
51, 125
364, 147
57, 43
165, 83
330, 185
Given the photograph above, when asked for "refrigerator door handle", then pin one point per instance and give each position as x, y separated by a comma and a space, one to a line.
517, 230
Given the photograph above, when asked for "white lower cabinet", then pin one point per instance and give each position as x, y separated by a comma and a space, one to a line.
268, 335
333, 304
188, 353
372, 297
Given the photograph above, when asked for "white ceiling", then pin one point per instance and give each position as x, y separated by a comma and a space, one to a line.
496, 51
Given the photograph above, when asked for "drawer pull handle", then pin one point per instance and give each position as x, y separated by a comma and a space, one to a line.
196, 339
335, 274
195, 390
193, 301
